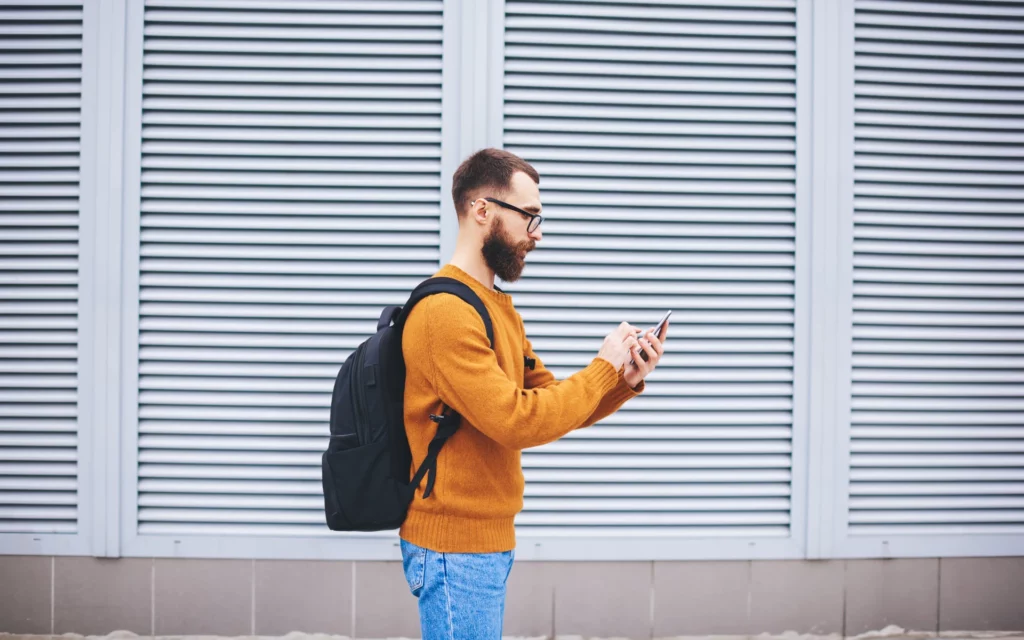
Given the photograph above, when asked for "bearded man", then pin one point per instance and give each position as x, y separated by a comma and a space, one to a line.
458, 544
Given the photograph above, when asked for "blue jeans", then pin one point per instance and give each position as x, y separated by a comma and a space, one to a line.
461, 595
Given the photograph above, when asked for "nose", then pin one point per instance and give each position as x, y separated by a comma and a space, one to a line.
537, 235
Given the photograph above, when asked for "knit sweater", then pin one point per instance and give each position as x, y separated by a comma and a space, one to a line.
505, 408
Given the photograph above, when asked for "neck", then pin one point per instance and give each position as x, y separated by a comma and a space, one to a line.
467, 256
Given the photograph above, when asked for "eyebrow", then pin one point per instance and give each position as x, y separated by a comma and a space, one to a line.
531, 208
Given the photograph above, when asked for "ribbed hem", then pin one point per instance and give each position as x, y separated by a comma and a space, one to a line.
603, 374
456, 534
623, 391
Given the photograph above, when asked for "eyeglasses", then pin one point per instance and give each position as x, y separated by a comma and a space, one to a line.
535, 218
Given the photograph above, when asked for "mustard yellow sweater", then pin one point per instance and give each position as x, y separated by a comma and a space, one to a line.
505, 408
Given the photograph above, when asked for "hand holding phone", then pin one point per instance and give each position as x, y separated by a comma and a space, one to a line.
659, 331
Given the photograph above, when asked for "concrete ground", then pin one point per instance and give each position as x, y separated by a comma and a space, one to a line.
889, 633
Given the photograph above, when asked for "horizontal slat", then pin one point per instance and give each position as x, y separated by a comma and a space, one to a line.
953, 35
669, 14
37, 498
654, 128
326, 49
310, 121
971, 489
728, 40
964, 445
375, 32
526, 21
606, 68
555, 51
759, 102
421, 16
332, 6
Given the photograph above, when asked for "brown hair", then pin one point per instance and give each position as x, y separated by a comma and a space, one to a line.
492, 168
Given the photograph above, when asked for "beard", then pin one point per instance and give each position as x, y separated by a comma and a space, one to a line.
505, 257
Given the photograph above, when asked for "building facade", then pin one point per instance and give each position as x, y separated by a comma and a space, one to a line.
205, 204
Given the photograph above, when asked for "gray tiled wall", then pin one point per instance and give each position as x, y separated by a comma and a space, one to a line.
92, 596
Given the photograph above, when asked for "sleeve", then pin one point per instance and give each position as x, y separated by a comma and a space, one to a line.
541, 378
466, 377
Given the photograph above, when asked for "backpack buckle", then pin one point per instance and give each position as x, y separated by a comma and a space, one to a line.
445, 420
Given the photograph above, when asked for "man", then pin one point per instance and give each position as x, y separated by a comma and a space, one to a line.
458, 544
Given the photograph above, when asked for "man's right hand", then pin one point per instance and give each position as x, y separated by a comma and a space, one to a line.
616, 348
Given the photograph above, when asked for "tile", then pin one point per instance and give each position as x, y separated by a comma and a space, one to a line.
303, 595
25, 594
983, 594
95, 596
384, 607
805, 596
530, 600
901, 592
605, 599
203, 597
701, 598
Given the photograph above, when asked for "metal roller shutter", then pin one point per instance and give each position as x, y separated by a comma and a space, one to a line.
665, 137
40, 117
937, 424
290, 190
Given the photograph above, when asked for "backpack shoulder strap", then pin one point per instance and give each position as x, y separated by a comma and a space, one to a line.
434, 286
449, 421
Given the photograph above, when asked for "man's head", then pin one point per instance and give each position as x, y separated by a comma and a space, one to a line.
497, 199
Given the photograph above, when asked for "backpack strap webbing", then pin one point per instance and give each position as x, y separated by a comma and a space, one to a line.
447, 423
434, 286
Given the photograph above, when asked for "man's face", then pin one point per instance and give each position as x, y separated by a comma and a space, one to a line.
507, 241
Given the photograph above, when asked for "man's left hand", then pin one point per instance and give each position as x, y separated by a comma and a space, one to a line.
654, 348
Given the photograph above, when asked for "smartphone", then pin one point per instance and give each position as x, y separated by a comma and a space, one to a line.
659, 330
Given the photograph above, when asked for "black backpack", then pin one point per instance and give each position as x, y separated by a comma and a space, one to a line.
366, 466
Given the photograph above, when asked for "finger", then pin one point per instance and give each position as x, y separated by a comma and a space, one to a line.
640, 347
652, 354
619, 332
658, 345
638, 361
643, 365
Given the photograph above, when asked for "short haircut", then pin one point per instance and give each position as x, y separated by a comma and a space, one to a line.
487, 168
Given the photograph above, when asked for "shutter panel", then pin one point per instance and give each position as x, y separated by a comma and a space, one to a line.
40, 115
665, 139
937, 423
290, 191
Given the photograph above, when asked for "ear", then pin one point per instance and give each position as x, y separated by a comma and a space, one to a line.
478, 211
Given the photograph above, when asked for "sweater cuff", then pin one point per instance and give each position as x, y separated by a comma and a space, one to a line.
605, 375
623, 391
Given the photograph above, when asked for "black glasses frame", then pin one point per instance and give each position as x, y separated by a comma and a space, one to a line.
535, 218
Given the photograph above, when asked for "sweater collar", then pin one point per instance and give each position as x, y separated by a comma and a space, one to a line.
500, 297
